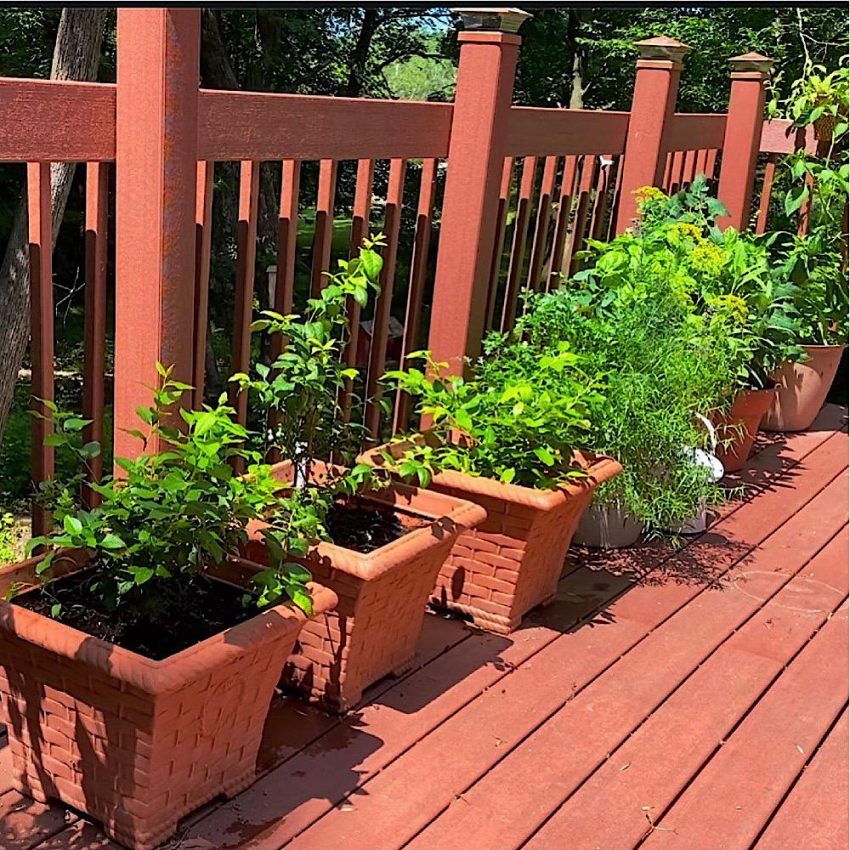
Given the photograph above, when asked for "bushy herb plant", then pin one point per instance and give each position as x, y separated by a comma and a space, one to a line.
724, 277
517, 417
175, 511
662, 366
816, 262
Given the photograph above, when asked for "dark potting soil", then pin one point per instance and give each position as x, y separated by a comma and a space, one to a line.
364, 527
190, 609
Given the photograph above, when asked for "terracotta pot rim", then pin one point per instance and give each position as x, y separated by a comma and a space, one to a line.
599, 468
453, 514
149, 675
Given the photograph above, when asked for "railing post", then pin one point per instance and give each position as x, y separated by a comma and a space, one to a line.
156, 168
653, 105
488, 56
742, 138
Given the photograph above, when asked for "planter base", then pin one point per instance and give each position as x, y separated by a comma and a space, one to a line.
607, 527
134, 743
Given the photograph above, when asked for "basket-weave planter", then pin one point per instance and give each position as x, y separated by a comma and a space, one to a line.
375, 627
737, 430
135, 743
511, 562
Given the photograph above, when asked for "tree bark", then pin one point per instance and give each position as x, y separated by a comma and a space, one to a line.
360, 53
577, 81
75, 57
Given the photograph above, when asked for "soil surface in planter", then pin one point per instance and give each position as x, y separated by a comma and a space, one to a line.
363, 526
190, 609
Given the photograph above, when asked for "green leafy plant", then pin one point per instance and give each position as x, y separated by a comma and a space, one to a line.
174, 512
9, 538
662, 365
301, 393
518, 417
816, 261
726, 277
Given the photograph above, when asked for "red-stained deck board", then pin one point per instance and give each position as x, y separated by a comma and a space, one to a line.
24, 823
820, 826
645, 774
404, 797
307, 786
613, 706
390, 771
732, 798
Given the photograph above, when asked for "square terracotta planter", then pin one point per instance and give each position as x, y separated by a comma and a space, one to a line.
375, 627
510, 563
136, 743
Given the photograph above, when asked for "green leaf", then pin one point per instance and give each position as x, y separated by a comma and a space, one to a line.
72, 525
545, 456
112, 541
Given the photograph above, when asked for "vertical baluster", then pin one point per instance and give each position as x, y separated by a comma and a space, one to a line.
689, 168
41, 318
203, 247
615, 200
359, 229
246, 246
562, 222
381, 321
287, 245
323, 236
711, 164
499, 241
668, 172
600, 200
579, 230
541, 230
702, 158
676, 171
526, 187
418, 269
97, 201
766, 189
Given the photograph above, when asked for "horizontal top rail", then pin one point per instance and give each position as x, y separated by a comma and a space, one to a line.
75, 122
692, 131
781, 136
56, 121
540, 131
248, 125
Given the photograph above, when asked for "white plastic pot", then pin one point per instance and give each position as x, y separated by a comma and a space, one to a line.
607, 527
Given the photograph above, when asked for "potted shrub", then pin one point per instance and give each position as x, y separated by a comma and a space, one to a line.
377, 543
137, 670
815, 261
510, 438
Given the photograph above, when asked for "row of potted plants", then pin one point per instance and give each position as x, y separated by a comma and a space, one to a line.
141, 645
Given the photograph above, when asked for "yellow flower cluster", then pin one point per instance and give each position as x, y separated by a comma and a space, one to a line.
644, 194
731, 307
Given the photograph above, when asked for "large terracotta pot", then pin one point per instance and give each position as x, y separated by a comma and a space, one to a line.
802, 389
607, 527
512, 561
135, 743
374, 630
736, 431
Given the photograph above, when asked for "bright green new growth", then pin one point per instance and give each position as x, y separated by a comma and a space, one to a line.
518, 418
174, 513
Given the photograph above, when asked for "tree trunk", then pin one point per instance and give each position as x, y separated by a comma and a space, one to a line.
75, 57
360, 53
577, 82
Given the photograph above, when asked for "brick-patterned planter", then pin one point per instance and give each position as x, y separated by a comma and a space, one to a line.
375, 627
135, 743
736, 432
511, 562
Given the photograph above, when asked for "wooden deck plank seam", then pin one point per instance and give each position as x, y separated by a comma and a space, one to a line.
613, 752
558, 635
659, 817
668, 696
802, 770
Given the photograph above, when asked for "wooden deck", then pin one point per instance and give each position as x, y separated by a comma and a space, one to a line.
692, 699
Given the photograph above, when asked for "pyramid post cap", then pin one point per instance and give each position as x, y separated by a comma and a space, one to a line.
751, 61
493, 19
662, 47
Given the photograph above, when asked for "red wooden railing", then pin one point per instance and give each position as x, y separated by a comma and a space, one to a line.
524, 189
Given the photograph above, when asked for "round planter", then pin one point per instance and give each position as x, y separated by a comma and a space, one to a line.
802, 388
737, 430
136, 743
607, 527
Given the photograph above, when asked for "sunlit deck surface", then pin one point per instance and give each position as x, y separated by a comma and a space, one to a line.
692, 698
